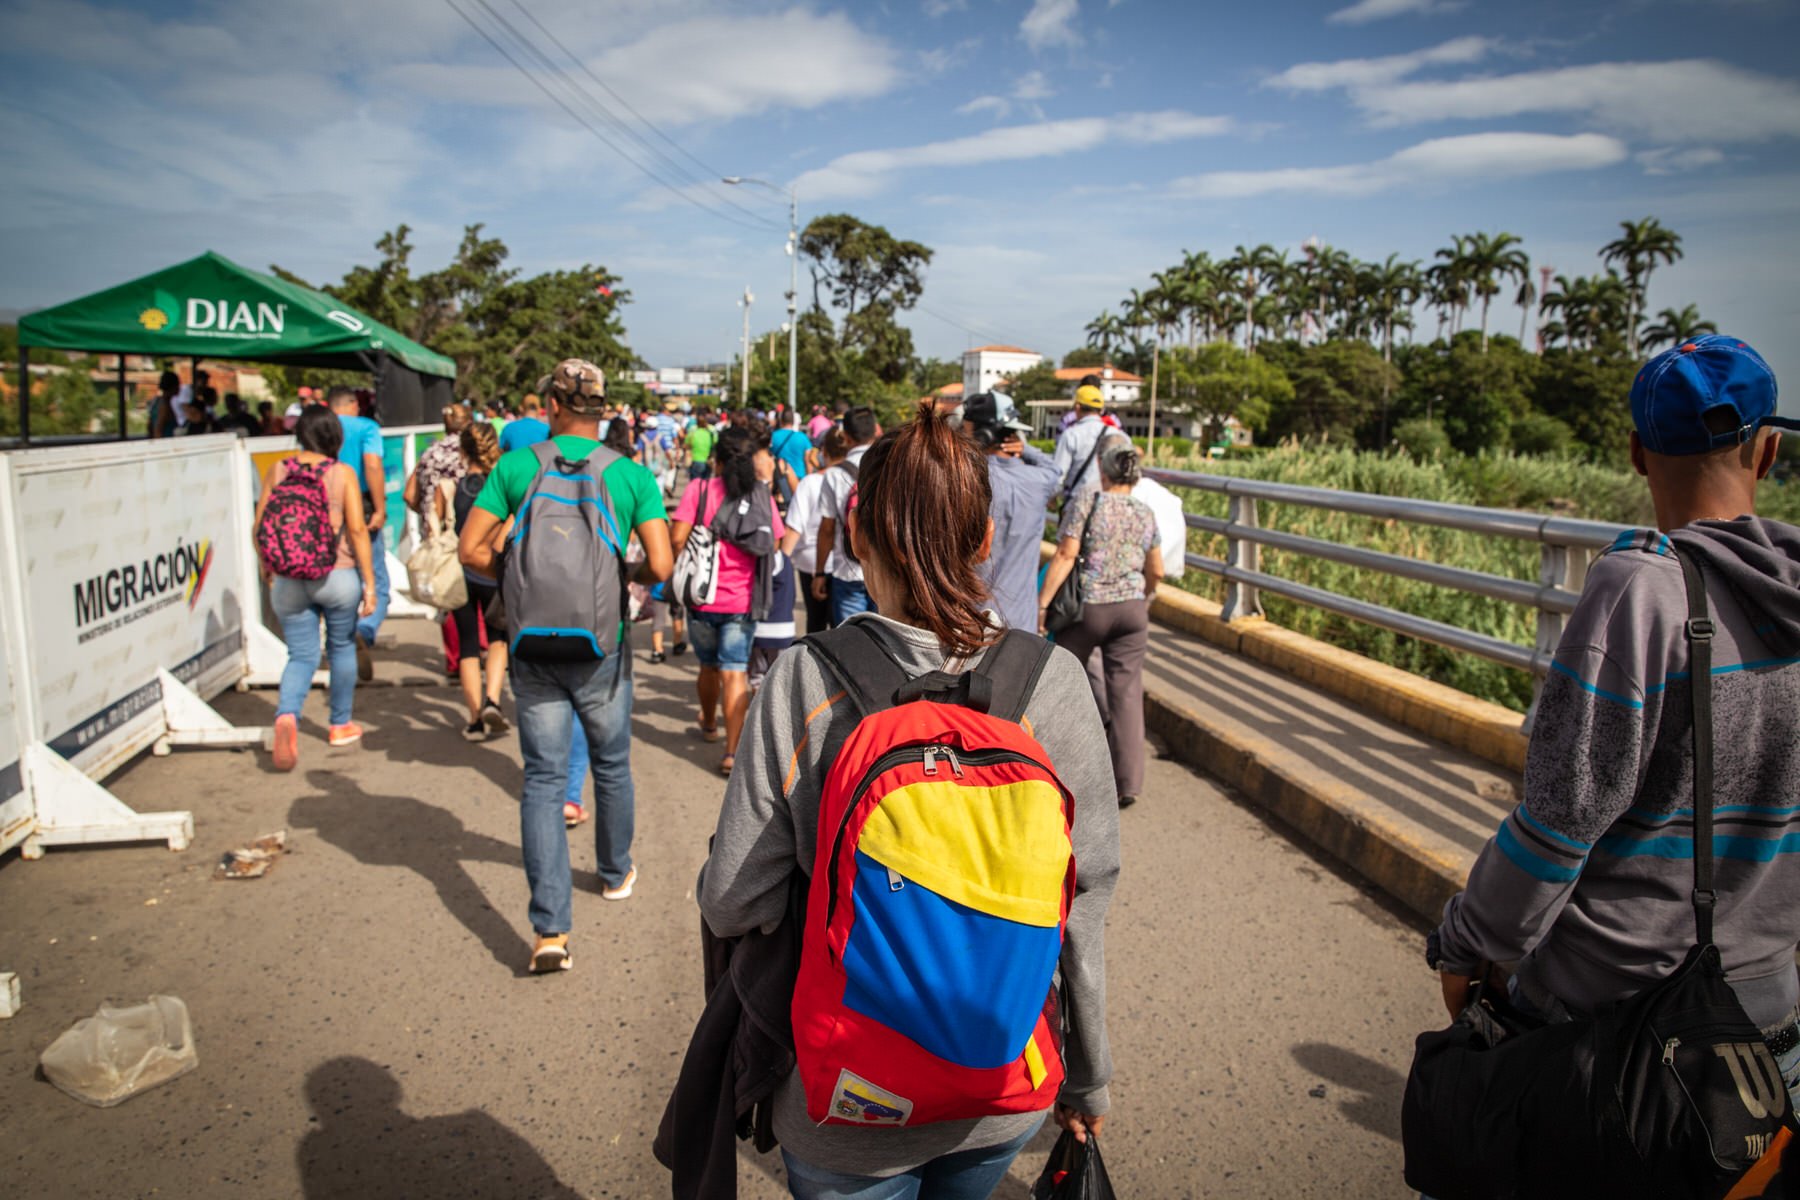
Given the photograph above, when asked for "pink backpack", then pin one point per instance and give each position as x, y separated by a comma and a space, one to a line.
295, 537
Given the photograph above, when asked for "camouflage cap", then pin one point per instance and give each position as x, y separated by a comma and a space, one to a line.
576, 384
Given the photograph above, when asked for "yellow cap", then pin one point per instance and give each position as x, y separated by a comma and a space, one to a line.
1090, 397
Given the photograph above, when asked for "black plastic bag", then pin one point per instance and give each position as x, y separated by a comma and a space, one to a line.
1074, 1172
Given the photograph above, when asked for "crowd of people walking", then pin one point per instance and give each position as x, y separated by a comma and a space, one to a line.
924, 774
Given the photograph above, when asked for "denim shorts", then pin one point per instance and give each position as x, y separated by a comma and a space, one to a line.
722, 640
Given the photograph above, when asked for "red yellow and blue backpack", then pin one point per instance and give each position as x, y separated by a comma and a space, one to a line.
939, 895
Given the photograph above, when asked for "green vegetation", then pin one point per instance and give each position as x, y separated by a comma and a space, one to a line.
1563, 485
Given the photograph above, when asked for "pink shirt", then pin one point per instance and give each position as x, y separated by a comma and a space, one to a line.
815, 428
737, 570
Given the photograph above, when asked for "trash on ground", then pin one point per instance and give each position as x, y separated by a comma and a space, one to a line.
113, 1055
253, 861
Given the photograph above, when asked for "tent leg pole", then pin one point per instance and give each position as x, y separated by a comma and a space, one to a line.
24, 395
121, 395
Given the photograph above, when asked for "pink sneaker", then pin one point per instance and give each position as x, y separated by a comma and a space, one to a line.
345, 735
287, 742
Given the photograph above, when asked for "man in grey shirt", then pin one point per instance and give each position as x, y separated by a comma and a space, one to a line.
1024, 481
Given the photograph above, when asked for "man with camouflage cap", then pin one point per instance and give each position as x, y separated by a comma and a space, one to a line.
549, 693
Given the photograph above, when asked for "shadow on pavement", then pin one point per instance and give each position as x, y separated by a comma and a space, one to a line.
1376, 1106
401, 831
363, 1146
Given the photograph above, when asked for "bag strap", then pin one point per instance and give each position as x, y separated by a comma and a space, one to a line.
1071, 486
1014, 665
864, 666
1699, 631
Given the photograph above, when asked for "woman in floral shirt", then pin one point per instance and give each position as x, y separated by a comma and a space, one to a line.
1119, 572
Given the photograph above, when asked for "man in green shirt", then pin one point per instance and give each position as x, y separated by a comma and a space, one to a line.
549, 694
700, 445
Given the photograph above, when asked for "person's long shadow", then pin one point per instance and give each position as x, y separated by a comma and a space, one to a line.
1376, 1087
364, 1147
402, 831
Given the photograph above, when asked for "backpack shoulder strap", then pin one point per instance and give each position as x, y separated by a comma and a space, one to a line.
1012, 668
1699, 633
864, 667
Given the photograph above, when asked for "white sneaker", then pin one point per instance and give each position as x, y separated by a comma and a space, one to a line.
623, 891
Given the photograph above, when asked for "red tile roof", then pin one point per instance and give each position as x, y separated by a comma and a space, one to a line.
1001, 350
1117, 376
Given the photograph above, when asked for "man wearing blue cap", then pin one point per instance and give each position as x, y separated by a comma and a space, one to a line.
1587, 882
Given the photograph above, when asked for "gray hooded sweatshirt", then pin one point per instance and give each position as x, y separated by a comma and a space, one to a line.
768, 829
1588, 880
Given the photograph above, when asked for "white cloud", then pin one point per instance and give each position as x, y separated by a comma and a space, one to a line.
703, 68
1438, 161
1689, 100
1368, 72
1032, 86
1670, 160
1364, 11
999, 106
865, 171
937, 8
939, 60
1050, 23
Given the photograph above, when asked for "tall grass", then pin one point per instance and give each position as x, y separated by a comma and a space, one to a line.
1562, 486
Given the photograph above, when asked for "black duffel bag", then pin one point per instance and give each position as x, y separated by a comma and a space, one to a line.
1671, 1093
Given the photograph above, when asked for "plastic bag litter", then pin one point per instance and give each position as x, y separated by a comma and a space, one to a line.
113, 1055
1074, 1172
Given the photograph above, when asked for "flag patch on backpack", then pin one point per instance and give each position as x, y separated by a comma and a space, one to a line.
939, 896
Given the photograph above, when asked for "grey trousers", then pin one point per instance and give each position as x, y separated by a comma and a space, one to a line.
1110, 641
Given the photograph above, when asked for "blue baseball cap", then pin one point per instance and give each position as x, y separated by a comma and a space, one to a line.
1675, 390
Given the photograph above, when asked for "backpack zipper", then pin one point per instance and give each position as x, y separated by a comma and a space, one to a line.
928, 754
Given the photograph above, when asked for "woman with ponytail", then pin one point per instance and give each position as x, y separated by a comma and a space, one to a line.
731, 499
1110, 536
918, 523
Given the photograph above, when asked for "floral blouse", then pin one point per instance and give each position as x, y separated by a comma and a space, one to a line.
1118, 540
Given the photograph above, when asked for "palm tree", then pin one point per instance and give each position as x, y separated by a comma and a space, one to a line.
1104, 332
1673, 328
1162, 311
1450, 285
1639, 248
1526, 300
1480, 261
1250, 269
1393, 287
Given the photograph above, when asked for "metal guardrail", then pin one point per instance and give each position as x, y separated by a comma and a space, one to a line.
1568, 546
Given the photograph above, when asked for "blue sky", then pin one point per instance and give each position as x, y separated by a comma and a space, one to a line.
1052, 152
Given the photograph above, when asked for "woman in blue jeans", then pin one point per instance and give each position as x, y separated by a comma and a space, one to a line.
339, 598
721, 632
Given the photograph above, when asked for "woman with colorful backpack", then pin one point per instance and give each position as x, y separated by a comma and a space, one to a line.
939, 790
314, 545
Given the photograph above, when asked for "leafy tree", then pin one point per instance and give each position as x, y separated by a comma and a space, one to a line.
933, 373
1538, 433
1423, 439
862, 264
1338, 390
1038, 382
1084, 356
1219, 380
1640, 246
1591, 395
1672, 328
1476, 395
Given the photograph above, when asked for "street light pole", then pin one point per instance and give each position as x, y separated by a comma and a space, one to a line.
793, 295
744, 374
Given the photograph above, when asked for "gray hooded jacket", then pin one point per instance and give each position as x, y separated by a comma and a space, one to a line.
1588, 880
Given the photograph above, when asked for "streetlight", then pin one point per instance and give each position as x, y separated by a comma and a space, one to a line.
793, 253
744, 373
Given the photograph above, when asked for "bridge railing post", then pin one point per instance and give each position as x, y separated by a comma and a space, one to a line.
1563, 567
1242, 599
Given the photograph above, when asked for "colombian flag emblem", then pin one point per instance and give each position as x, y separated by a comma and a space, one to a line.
197, 580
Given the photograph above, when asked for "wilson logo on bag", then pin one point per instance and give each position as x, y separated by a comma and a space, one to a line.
939, 896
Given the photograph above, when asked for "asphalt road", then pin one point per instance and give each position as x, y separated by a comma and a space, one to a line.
365, 1027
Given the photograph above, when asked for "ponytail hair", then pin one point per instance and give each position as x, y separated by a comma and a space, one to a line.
480, 447
734, 460
922, 509
1120, 462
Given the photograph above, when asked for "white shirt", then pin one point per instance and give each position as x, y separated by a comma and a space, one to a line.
1171, 525
803, 514
1076, 463
835, 503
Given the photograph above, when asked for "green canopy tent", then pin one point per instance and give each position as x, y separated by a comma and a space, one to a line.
209, 307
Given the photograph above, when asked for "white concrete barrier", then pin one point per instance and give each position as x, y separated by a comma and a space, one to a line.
126, 570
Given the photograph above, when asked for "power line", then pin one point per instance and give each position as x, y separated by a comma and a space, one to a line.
987, 336
709, 175
589, 125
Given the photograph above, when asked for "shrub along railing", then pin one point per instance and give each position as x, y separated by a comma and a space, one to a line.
1567, 547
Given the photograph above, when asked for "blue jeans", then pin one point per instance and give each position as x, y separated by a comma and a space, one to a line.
848, 599
965, 1175
300, 603
722, 640
366, 627
599, 696
578, 761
